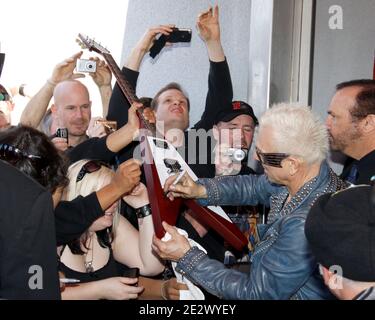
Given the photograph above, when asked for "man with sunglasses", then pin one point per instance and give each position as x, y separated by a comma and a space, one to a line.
292, 147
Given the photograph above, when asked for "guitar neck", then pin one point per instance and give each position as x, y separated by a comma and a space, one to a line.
126, 89
124, 85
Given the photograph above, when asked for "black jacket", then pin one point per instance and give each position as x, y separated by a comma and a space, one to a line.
219, 98
365, 169
27, 237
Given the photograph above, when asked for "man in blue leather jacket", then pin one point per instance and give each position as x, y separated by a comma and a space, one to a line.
292, 147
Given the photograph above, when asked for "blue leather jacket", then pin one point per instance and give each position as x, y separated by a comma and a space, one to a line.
283, 266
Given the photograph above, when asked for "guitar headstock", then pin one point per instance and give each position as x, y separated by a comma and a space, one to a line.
86, 43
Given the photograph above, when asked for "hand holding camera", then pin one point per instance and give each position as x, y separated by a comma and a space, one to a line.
102, 76
208, 24
177, 35
64, 70
86, 65
60, 140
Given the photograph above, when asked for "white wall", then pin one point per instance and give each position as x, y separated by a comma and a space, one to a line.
342, 55
35, 35
189, 65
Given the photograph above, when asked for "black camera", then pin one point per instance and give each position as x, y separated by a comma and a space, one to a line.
62, 133
177, 35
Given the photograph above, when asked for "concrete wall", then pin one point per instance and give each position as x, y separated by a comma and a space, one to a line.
282, 47
188, 65
345, 54
342, 54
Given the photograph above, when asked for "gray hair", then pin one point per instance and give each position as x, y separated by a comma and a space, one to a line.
297, 131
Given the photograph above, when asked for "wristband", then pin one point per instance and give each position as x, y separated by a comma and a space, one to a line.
143, 211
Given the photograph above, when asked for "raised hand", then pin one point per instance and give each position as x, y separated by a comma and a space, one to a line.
138, 197
208, 24
103, 76
149, 37
144, 45
133, 120
127, 176
65, 70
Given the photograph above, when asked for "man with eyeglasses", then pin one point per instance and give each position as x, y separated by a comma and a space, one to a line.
351, 127
292, 146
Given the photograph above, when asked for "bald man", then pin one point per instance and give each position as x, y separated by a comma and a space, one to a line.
72, 109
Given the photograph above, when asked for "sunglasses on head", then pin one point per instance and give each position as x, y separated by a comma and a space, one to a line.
89, 167
271, 159
12, 154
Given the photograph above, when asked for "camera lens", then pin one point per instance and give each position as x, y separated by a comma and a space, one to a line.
89, 66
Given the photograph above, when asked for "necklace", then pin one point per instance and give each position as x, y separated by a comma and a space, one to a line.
88, 263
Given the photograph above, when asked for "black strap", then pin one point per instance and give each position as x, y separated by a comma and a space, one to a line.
158, 46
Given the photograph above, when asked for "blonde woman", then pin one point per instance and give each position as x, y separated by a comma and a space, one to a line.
91, 259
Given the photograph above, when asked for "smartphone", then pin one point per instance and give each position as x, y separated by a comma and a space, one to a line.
62, 133
131, 273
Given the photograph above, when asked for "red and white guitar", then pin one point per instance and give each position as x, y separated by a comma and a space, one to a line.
160, 159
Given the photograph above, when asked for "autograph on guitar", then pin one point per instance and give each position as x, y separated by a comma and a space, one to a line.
160, 160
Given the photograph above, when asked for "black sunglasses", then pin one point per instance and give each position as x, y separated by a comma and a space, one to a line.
13, 154
271, 159
89, 167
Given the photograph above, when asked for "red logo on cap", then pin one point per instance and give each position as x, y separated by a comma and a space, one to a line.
236, 105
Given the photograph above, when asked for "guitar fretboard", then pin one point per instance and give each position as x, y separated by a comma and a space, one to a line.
127, 90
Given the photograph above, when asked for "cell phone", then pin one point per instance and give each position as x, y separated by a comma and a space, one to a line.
131, 273
62, 133
177, 35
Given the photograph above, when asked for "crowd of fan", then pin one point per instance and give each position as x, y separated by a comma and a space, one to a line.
77, 206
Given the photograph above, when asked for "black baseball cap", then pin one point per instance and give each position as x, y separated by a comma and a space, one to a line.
340, 229
237, 108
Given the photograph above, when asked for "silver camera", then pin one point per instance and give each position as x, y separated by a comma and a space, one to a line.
236, 154
85, 65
